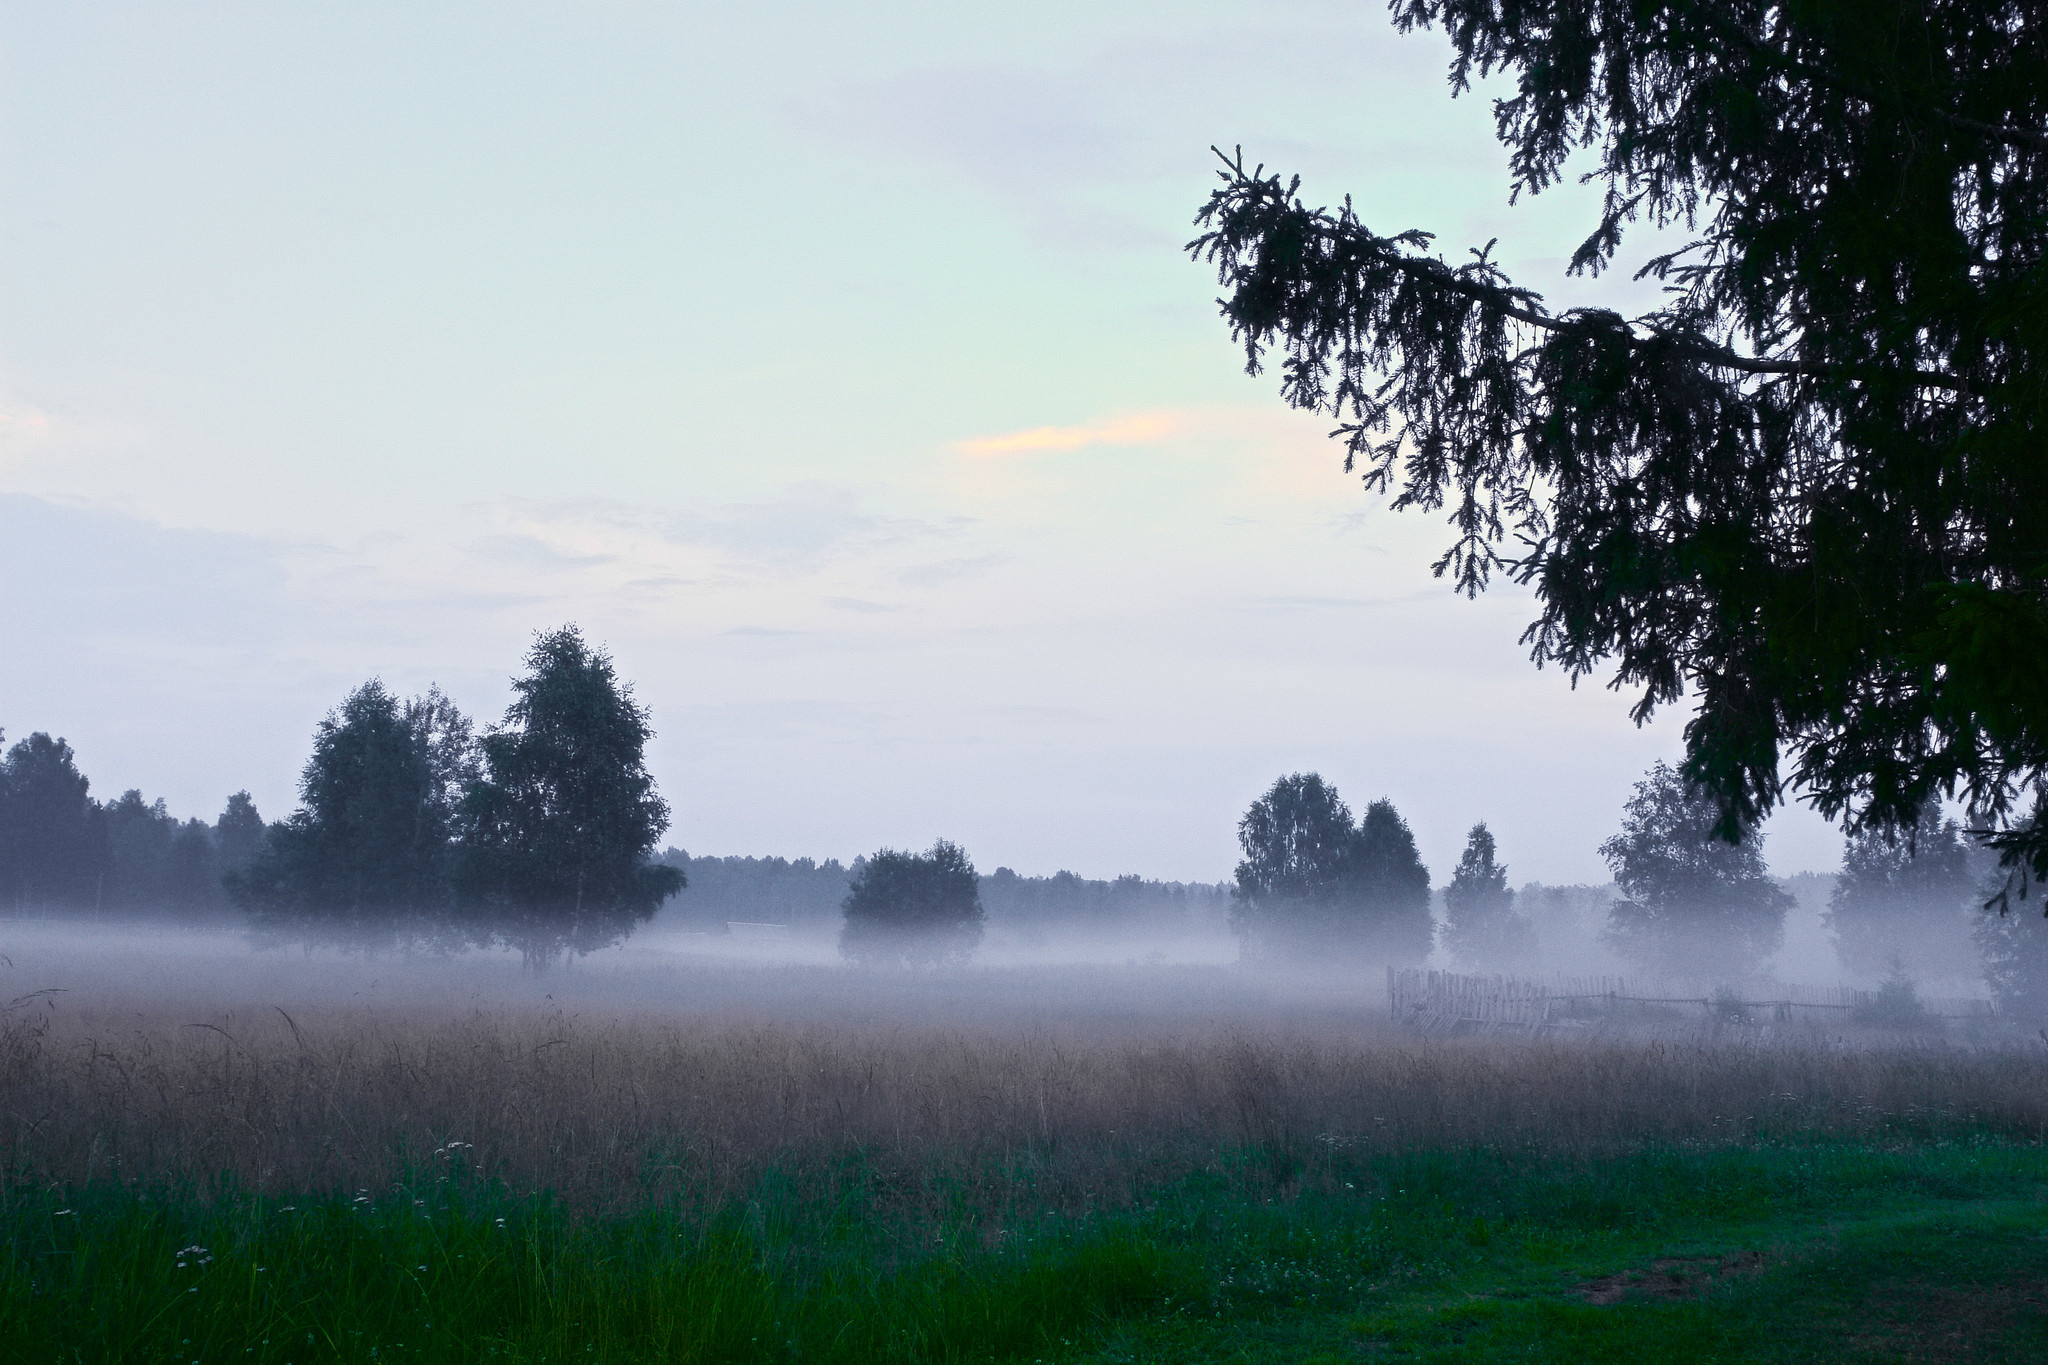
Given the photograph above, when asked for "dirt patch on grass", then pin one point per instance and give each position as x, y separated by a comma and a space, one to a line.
1675, 1277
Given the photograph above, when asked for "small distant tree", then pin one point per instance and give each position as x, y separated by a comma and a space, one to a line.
1392, 888
561, 829
1906, 897
1695, 905
1312, 883
52, 836
913, 909
1481, 927
372, 841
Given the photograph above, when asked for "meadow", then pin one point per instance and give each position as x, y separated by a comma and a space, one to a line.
1144, 1164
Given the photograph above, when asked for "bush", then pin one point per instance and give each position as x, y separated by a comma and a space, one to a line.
913, 909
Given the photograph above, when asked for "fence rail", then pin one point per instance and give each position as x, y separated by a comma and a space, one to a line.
1434, 1000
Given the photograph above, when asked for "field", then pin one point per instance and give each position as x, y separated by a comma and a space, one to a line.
1144, 1164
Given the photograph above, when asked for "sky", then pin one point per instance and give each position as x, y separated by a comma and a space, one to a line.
838, 367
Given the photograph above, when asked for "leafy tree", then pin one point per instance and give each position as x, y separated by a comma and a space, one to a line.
912, 909
371, 842
1695, 904
1480, 923
1312, 883
1808, 488
1906, 899
1300, 847
561, 828
52, 838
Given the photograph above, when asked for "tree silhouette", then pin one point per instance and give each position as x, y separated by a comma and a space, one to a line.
371, 843
1809, 488
238, 832
561, 828
913, 909
1697, 906
1905, 898
2014, 952
1314, 886
139, 835
1480, 924
52, 836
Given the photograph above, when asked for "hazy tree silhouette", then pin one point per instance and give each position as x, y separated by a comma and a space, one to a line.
192, 871
1314, 886
912, 909
52, 837
1806, 491
1481, 927
371, 845
1907, 898
1696, 905
139, 835
561, 828
238, 832
1392, 889
2015, 950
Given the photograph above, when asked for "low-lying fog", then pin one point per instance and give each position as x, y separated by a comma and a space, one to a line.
106, 967
1185, 971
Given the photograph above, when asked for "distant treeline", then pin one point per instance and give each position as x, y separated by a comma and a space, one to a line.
412, 829
60, 849
809, 897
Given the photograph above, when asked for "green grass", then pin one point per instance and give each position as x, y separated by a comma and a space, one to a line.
1793, 1252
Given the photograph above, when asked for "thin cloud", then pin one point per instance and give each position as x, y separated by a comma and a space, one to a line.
948, 571
1141, 429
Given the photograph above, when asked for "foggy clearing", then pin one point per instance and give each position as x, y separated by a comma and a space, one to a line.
142, 1054
1077, 684
703, 1079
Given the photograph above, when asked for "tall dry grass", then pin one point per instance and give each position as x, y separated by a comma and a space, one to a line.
611, 1111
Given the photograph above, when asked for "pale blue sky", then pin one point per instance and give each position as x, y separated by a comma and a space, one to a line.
340, 340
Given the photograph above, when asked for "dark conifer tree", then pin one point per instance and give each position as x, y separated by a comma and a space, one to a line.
1481, 928
1807, 491
1392, 887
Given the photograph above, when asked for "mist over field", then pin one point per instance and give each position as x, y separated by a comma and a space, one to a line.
1285, 681
463, 1024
